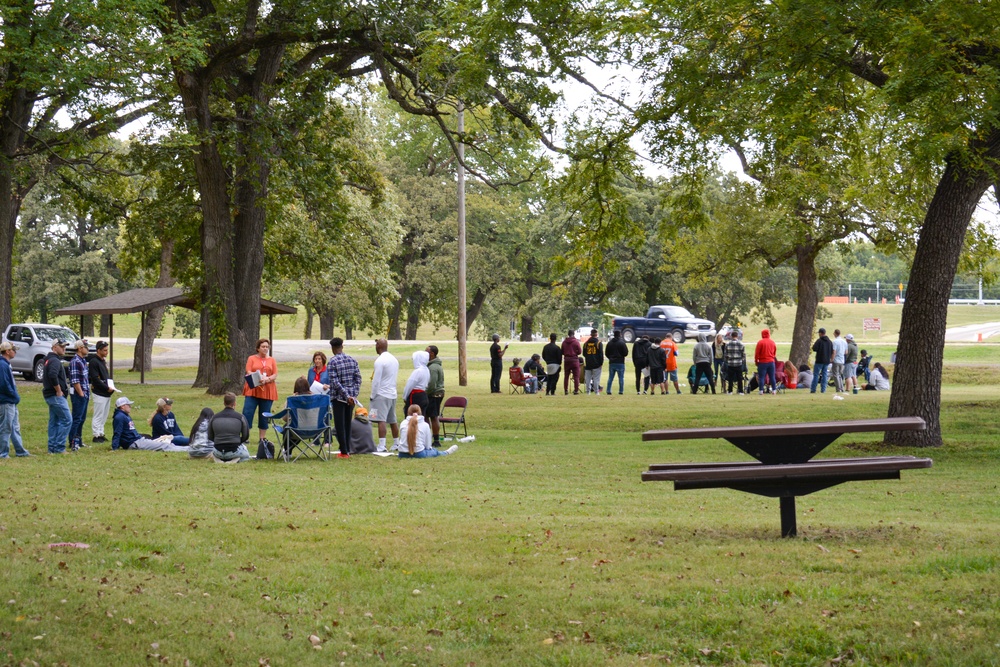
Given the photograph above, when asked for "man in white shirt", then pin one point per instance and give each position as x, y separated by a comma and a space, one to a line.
382, 409
839, 350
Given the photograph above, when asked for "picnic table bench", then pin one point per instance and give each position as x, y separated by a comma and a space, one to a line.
784, 467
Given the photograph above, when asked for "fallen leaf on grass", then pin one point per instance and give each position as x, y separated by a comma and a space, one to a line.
547, 640
707, 651
436, 633
314, 640
822, 548
855, 551
69, 545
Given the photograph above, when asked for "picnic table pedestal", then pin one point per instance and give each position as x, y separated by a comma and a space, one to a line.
784, 468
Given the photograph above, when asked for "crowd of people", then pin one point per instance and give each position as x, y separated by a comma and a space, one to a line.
223, 436
721, 363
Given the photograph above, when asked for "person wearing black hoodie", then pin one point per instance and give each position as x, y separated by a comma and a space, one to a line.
823, 348
616, 351
593, 363
640, 361
552, 356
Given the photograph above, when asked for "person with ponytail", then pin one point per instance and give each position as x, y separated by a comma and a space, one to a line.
415, 437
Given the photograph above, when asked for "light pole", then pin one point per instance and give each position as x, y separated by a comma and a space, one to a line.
463, 368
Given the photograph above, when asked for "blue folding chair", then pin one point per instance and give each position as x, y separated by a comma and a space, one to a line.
304, 429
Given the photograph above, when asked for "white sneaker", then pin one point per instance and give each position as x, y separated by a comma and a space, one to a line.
451, 450
394, 448
380, 448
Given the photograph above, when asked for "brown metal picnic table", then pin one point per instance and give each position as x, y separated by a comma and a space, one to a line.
784, 468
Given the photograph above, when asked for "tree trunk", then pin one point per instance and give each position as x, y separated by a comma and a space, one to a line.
527, 327
348, 331
473, 310
87, 326
10, 207
413, 314
325, 325
394, 314
154, 318
807, 298
309, 322
105, 326
916, 389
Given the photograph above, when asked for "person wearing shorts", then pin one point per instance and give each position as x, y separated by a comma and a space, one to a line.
435, 392
382, 409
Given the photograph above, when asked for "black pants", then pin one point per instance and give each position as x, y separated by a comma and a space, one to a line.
343, 415
641, 382
734, 375
552, 381
703, 368
418, 398
496, 370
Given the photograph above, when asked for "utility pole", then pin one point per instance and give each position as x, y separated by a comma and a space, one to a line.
463, 366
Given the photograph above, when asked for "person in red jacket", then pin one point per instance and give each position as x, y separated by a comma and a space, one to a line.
571, 351
764, 355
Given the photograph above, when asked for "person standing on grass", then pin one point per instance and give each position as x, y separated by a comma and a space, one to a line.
764, 355
416, 438
10, 425
571, 352
79, 383
851, 365
657, 367
702, 358
719, 358
593, 358
670, 374
617, 352
345, 385
229, 432
496, 364
552, 356
55, 391
837, 360
100, 392
260, 398
823, 347
382, 405
736, 361
640, 361
435, 392
415, 389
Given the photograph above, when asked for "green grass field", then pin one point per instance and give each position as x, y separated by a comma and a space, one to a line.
535, 545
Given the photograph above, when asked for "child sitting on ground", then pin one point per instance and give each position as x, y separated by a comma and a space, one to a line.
416, 434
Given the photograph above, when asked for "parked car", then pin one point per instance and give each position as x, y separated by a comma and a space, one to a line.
663, 321
34, 342
725, 329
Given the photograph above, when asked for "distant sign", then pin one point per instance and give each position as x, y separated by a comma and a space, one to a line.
872, 324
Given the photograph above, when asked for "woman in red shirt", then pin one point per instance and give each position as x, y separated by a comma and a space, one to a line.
259, 398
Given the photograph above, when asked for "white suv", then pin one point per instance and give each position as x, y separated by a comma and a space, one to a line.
34, 342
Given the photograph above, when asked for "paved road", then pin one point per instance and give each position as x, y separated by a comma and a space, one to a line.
173, 352
970, 332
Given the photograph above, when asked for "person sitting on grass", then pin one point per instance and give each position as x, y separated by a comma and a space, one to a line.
878, 379
126, 437
415, 434
165, 424
199, 446
805, 376
230, 433
791, 375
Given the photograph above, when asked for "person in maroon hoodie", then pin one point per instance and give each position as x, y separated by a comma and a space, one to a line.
571, 359
764, 355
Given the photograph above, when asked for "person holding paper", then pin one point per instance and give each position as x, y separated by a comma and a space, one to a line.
318, 372
259, 390
101, 390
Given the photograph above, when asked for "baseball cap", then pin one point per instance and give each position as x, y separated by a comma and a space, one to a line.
60, 343
160, 402
77, 344
849, 337
123, 401
7, 345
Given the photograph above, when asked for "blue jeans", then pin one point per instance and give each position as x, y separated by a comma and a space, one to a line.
820, 376
422, 454
241, 454
10, 431
181, 441
80, 404
620, 370
60, 422
765, 371
252, 404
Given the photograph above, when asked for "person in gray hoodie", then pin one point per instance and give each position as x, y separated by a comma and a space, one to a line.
702, 364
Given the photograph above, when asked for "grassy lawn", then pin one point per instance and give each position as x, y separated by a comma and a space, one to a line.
535, 545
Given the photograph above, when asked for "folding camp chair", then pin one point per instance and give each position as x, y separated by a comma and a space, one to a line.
455, 403
516, 380
703, 386
307, 431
